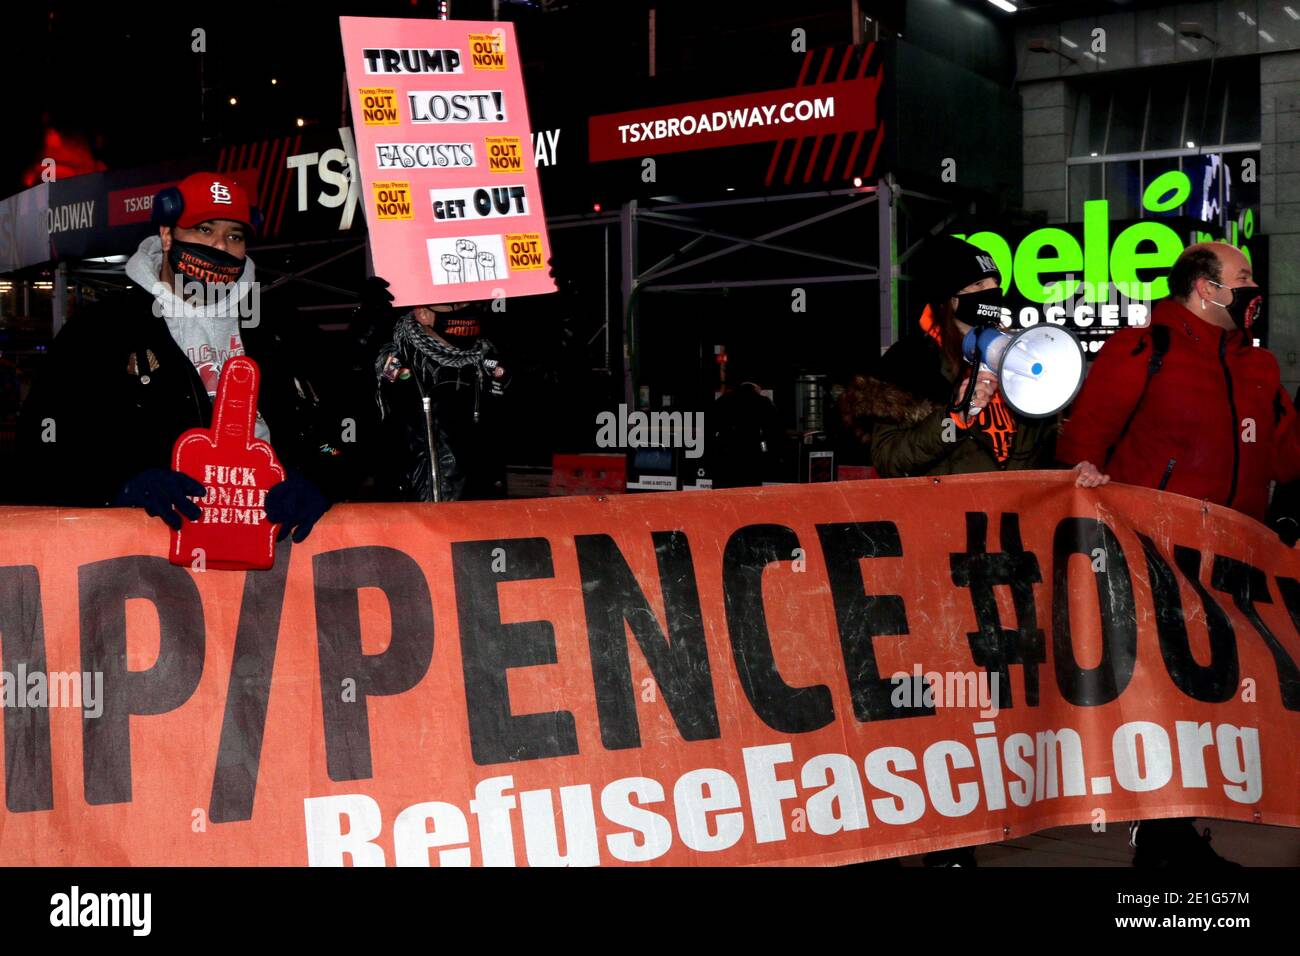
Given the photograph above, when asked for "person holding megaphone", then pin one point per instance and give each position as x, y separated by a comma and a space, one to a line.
929, 409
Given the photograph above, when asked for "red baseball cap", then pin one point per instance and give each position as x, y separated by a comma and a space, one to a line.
212, 196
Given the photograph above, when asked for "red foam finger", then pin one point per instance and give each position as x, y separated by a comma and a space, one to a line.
235, 413
237, 472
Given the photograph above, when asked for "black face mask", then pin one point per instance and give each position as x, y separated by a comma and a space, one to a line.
980, 309
1246, 308
205, 264
459, 325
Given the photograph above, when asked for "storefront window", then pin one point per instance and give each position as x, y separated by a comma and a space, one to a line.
1127, 115
1174, 108
1241, 120
1188, 108
1205, 118
1124, 189
8, 301
1165, 118
1090, 116
1086, 182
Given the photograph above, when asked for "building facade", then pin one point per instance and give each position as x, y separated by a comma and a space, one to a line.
1113, 100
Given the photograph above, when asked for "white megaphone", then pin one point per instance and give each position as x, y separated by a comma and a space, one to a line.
1039, 369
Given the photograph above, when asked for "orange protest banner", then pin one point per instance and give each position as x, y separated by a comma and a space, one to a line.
804, 674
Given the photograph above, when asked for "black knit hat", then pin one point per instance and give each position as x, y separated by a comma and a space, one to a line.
946, 264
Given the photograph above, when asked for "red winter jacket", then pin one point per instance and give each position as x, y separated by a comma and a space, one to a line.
1215, 422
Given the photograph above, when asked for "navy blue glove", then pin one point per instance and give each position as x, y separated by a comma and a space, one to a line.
162, 492
295, 503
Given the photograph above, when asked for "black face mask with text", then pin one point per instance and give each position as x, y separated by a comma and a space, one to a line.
459, 322
459, 325
205, 264
1246, 309
980, 309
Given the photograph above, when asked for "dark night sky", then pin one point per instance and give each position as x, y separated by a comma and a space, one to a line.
125, 76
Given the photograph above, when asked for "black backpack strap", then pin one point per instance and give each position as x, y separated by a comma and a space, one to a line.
1159, 348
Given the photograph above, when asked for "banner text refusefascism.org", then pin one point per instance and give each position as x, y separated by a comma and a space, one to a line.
706, 807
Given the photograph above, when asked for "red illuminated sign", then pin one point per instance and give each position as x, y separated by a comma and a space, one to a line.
734, 120
129, 206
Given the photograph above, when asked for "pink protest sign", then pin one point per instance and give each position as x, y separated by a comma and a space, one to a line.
443, 141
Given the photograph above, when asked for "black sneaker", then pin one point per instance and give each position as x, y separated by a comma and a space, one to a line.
1161, 844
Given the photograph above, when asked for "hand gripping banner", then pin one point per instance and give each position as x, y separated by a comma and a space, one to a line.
809, 674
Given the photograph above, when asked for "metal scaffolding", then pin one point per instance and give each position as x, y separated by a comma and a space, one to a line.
894, 207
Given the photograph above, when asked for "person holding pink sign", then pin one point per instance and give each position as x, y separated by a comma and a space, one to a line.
439, 384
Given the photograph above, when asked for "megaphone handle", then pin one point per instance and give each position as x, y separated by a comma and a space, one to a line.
974, 409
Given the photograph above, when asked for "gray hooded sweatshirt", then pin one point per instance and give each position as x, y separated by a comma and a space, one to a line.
206, 330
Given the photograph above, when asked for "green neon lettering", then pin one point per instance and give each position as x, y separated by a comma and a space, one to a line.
1126, 259
1167, 191
1097, 257
1096, 244
1031, 264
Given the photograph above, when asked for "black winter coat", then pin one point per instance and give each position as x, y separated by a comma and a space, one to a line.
113, 411
470, 453
902, 412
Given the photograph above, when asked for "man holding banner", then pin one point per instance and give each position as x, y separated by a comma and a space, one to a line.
126, 377
1188, 405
